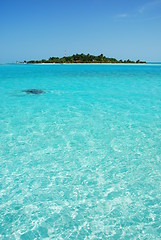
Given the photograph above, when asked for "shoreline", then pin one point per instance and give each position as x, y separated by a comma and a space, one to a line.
85, 64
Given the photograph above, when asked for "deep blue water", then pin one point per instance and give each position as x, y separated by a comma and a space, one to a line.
82, 160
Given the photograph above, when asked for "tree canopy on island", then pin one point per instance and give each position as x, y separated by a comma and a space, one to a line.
82, 58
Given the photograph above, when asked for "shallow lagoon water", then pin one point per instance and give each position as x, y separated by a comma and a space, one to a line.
83, 159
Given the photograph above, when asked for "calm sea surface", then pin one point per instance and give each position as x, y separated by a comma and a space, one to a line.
83, 159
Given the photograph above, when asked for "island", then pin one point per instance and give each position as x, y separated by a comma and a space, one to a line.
82, 58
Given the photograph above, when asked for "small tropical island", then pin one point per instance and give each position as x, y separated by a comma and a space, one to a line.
82, 58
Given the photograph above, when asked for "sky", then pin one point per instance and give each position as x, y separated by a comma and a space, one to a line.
36, 29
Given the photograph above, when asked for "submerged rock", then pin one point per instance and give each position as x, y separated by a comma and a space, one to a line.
33, 91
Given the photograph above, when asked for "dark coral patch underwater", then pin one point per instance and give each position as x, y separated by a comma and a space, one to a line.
33, 91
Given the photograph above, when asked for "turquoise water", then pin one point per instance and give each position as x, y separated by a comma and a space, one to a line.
82, 160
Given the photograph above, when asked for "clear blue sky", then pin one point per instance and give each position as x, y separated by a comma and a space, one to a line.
36, 29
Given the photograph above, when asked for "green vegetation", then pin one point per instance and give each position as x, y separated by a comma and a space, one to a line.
82, 58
